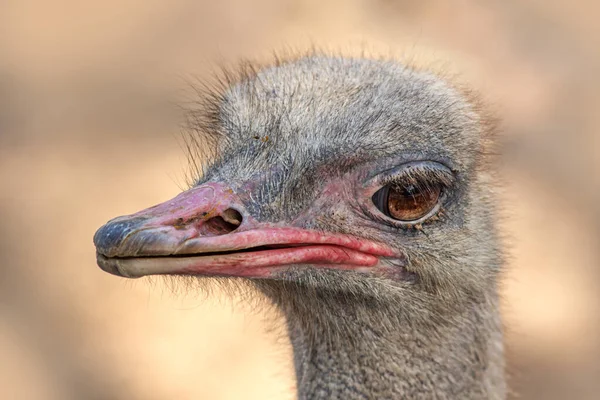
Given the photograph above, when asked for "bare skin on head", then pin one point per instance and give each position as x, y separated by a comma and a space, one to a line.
356, 195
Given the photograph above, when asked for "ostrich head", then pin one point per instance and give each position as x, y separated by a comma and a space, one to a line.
355, 194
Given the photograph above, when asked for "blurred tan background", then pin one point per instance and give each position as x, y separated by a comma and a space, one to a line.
87, 133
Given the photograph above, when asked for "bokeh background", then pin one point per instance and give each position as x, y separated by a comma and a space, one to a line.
87, 133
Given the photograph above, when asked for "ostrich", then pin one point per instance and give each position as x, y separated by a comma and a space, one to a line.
356, 194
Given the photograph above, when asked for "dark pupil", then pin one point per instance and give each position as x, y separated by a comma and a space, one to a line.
410, 190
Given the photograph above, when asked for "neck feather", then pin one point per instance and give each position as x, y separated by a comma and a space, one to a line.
365, 348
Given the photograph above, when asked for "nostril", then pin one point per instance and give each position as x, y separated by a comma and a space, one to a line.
227, 222
232, 217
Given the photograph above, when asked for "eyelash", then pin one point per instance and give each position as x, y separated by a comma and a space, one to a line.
420, 174
402, 181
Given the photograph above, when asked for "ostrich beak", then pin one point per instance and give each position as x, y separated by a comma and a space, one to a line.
207, 231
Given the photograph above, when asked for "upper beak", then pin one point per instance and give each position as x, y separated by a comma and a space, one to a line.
207, 231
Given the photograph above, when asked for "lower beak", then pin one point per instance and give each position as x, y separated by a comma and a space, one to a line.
207, 231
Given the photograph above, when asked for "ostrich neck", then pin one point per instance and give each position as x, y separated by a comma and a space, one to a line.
354, 353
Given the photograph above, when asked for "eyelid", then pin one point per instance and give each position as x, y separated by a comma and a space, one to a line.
421, 169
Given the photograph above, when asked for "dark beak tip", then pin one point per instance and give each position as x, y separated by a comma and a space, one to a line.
112, 234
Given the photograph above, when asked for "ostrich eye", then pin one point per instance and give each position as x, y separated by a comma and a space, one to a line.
407, 202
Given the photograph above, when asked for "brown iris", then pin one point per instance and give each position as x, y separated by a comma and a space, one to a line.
407, 202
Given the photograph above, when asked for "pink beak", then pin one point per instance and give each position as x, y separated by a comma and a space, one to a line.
207, 231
